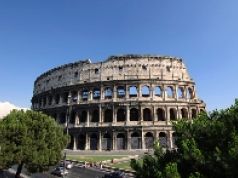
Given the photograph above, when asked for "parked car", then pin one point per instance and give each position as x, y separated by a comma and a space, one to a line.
60, 171
117, 174
67, 164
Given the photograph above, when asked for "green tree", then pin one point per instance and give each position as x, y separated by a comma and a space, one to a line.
30, 139
206, 147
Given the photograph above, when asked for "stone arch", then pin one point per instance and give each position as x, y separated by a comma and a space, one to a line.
57, 98
147, 114
184, 113
121, 92
163, 139
96, 93
194, 113
108, 115
93, 141
121, 115
81, 142
108, 93
173, 114
121, 141
133, 91
95, 116
74, 96
170, 92
83, 116
149, 140
174, 138
161, 114
134, 114
190, 93
106, 142
62, 118
145, 91
85, 94
135, 140
158, 91
72, 117
180, 92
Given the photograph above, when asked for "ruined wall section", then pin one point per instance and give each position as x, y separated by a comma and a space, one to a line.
114, 68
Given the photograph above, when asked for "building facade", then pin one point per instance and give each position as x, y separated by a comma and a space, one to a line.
123, 103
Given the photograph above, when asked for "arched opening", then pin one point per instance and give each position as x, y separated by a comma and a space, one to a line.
106, 142
62, 119
71, 143
121, 92
145, 90
121, 141
72, 117
74, 96
121, 115
85, 94
173, 114
96, 93
133, 91
81, 142
158, 91
184, 113
93, 141
50, 100
149, 140
161, 114
180, 92
108, 117
135, 141
190, 93
95, 116
65, 97
108, 93
169, 91
134, 114
147, 114
174, 138
57, 99
194, 113
163, 139
83, 116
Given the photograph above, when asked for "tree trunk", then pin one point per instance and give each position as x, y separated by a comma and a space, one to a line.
19, 168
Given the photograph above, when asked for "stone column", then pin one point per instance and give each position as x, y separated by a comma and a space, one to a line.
141, 114
151, 92
87, 142
102, 93
170, 140
163, 92
78, 97
127, 90
114, 114
114, 92
128, 141
100, 114
75, 142
176, 92
127, 114
139, 91
113, 141
100, 141
154, 114
88, 118
142, 140
76, 118
167, 115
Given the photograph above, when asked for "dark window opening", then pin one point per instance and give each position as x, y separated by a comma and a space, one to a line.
83, 116
108, 93
147, 114
95, 116
132, 91
134, 114
161, 114
145, 91
121, 115
96, 93
108, 117
121, 92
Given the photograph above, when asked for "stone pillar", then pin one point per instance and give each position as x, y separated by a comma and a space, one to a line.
154, 114
88, 118
87, 141
76, 118
100, 141
170, 140
75, 142
78, 97
102, 93
152, 92
113, 141
127, 114
141, 114
167, 115
128, 141
142, 140
127, 90
100, 114
114, 114
163, 88
139, 91
176, 92
114, 92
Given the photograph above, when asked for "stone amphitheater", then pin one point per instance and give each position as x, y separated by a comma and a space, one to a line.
122, 103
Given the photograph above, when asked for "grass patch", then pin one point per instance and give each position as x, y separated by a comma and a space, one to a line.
123, 165
94, 158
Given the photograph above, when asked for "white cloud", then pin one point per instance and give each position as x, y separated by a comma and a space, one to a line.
6, 107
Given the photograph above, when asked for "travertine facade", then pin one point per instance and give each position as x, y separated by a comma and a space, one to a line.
125, 102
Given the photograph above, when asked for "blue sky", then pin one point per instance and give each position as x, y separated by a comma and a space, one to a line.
38, 35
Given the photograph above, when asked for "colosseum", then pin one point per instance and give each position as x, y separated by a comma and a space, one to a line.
122, 103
